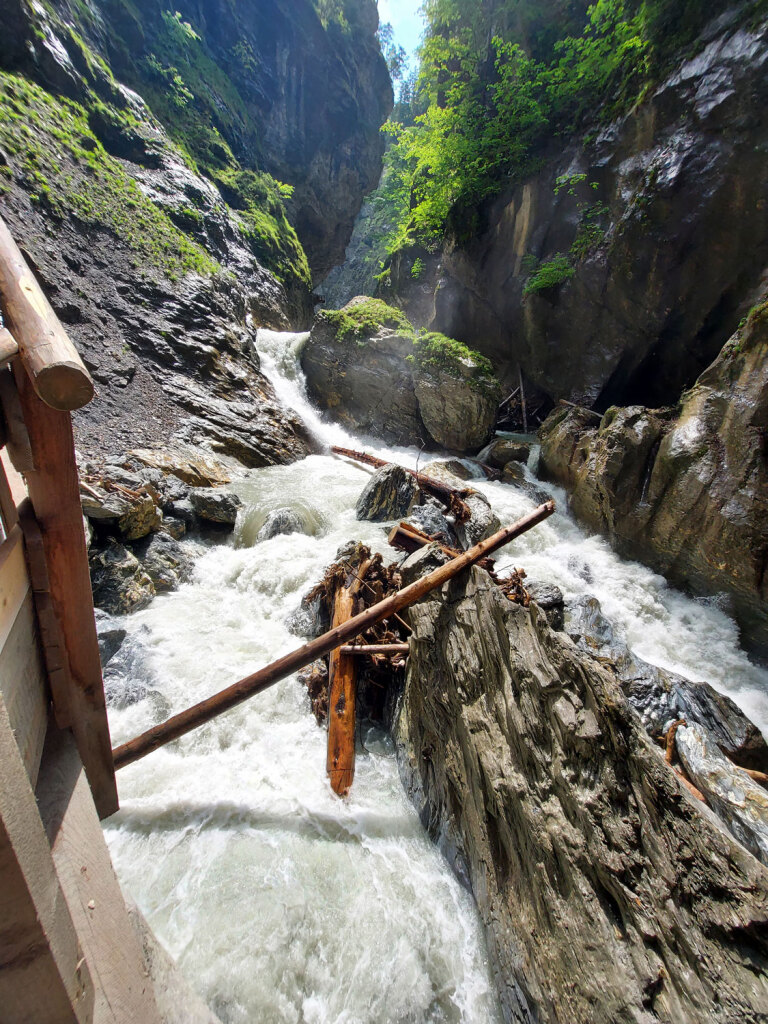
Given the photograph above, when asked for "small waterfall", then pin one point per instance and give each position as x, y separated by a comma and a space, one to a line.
282, 903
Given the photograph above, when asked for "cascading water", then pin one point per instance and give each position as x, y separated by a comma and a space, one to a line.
281, 902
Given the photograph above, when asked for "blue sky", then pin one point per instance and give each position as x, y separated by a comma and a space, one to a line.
405, 19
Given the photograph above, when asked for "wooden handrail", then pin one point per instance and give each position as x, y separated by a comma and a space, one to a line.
56, 370
179, 725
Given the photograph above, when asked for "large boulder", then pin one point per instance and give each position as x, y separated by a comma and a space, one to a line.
608, 895
165, 561
369, 369
356, 367
687, 494
457, 392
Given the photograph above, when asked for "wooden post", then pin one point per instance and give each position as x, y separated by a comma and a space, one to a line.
342, 678
199, 714
55, 495
522, 399
56, 370
8, 346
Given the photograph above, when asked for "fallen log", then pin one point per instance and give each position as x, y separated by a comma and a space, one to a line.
179, 725
405, 537
368, 649
580, 408
342, 671
452, 499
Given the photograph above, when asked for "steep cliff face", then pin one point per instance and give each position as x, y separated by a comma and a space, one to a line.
617, 272
685, 490
607, 893
136, 145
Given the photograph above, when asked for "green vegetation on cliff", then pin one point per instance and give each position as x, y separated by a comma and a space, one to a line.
52, 150
360, 320
499, 80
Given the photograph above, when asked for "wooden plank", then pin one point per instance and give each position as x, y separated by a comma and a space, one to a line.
368, 649
342, 677
43, 976
16, 435
54, 366
14, 581
55, 495
212, 707
15, 480
24, 687
112, 949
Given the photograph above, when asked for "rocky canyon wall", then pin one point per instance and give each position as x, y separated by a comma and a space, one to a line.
177, 179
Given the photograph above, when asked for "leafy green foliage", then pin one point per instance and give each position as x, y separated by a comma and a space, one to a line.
498, 79
550, 274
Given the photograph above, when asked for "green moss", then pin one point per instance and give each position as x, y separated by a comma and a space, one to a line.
55, 156
437, 351
550, 274
257, 199
365, 318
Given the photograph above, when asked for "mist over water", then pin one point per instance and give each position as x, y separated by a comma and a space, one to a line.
282, 903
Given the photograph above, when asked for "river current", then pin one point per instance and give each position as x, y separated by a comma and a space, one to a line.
281, 903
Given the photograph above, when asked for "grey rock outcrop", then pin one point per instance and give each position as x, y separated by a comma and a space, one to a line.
607, 895
687, 494
165, 561
732, 794
388, 495
458, 410
120, 584
362, 365
281, 521
482, 523
661, 697
215, 506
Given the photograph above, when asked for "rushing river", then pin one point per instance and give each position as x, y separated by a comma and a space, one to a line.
283, 904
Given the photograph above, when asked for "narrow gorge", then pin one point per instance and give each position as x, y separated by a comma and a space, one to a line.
336, 294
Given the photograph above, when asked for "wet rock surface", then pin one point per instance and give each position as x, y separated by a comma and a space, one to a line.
388, 495
606, 893
459, 411
165, 561
281, 521
661, 697
687, 493
215, 506
120, 584
735, 798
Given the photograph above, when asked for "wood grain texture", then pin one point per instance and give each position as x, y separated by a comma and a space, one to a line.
25, 688
54, 366
123, 993
55, 495
14, 581
342, 693
43, 978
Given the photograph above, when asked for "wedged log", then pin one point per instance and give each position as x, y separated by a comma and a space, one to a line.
341, 701
212, 707
56, 370
368, 649
453, 500
405, 537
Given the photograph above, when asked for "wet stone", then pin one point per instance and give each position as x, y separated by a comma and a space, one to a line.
387, 496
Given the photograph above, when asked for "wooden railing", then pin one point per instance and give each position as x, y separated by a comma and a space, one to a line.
42, 379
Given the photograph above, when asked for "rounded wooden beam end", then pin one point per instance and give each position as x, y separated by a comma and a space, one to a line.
341, 781
64, 386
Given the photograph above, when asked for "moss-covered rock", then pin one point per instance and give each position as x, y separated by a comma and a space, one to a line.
369, 367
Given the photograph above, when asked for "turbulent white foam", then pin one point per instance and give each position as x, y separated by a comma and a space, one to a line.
282, 903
